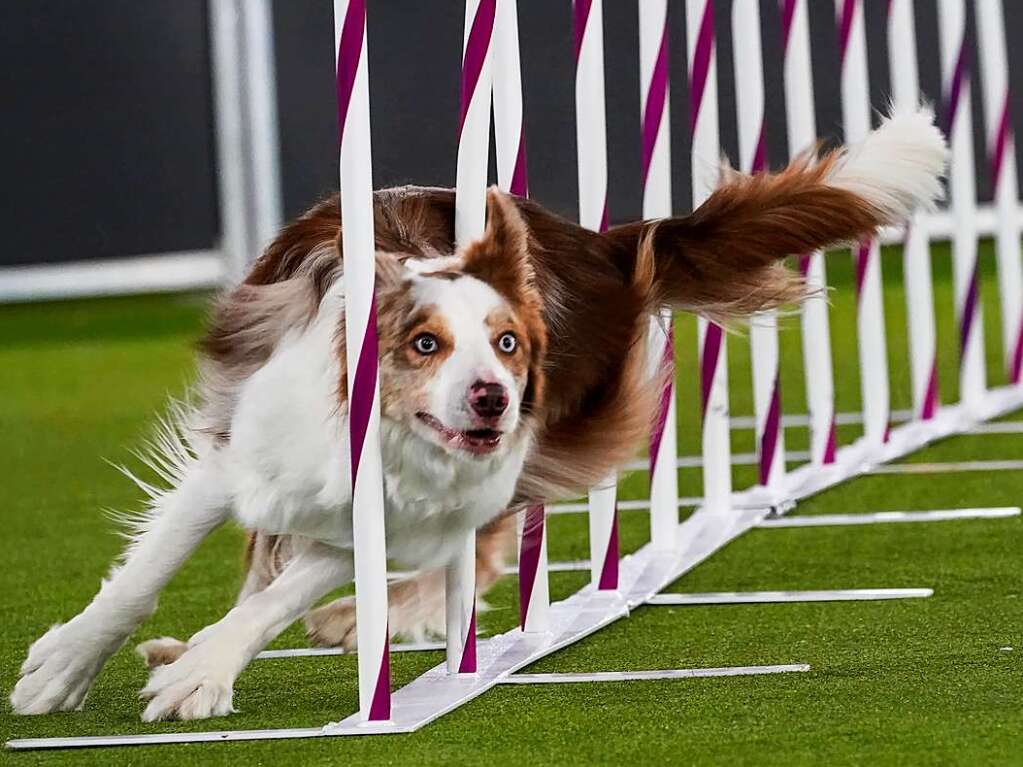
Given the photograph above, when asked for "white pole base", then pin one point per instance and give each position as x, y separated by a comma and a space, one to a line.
947, 467
770, 597
642, 676
886, 517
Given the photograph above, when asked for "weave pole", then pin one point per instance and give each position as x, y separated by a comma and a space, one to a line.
749, 99
591, 140
870, 333
816, 333
1001, 149
703, 89
510, 139
958, 125
470, 222
655, 150
916, 251
509, 119
358, 244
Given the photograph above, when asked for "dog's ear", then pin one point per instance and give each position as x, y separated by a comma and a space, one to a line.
501, 257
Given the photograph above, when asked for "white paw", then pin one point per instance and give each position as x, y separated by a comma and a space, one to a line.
59, 669
333, 625
198, 685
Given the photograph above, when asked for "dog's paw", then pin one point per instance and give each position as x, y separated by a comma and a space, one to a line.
59, 669
161, 651
333, 625
198, 685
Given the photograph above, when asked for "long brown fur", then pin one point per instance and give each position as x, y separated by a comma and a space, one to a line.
597, 291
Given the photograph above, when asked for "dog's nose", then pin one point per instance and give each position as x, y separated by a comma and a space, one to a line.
488, 400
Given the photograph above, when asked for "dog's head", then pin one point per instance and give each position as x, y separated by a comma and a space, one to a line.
462, 340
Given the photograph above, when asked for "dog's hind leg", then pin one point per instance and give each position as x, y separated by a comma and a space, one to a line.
61, 665
415, 604
266, 557
200, 683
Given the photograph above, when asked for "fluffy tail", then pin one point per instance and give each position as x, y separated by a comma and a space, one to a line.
723, 260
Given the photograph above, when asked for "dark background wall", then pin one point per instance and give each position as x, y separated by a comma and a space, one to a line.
107, 131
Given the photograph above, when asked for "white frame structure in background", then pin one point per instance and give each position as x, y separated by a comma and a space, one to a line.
247, 148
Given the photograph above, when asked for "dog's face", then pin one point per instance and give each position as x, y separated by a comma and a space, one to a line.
462, 341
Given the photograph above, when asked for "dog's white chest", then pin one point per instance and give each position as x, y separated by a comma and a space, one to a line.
288, 463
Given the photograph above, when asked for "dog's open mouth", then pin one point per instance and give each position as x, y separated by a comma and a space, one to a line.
477, 441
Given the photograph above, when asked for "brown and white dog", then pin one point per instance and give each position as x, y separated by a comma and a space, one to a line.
513, 371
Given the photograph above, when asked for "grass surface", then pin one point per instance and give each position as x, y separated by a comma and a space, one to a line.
914, 682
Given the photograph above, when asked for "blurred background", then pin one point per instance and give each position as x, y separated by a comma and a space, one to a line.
158, 145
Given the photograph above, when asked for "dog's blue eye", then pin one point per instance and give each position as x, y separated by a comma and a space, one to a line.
507, 343
425, 343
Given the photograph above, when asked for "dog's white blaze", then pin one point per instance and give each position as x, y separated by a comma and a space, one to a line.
464, 304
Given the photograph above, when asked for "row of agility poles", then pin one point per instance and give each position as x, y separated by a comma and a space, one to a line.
491, 80
802, 133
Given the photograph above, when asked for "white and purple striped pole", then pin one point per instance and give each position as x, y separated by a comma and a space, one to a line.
591, 140
509, 122
749, 98
470, 222
852, 45
358, 243
1002, 157
958, 125
510, 138
703, 89
916, 250
656, 165
816, 333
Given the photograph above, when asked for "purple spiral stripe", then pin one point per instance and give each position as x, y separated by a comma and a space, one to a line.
969, 313
702, 53
519, 185
581, 10
845, 28
348, 54
788, 13
760, 153
930, 404
862, 264
667, 369
360, 403
829, 448
709, 361
1001, 144
476, 53
657, 95
380, 707
1017, 358
955, 90
772, 427
804, 265
609, 570
467, 665
529, 558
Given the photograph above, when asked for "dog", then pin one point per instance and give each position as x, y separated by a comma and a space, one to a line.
513, 371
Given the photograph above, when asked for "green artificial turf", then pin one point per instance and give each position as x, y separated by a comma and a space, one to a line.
902, 682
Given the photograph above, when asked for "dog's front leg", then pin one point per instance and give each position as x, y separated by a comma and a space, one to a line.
200, 683
61, 665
